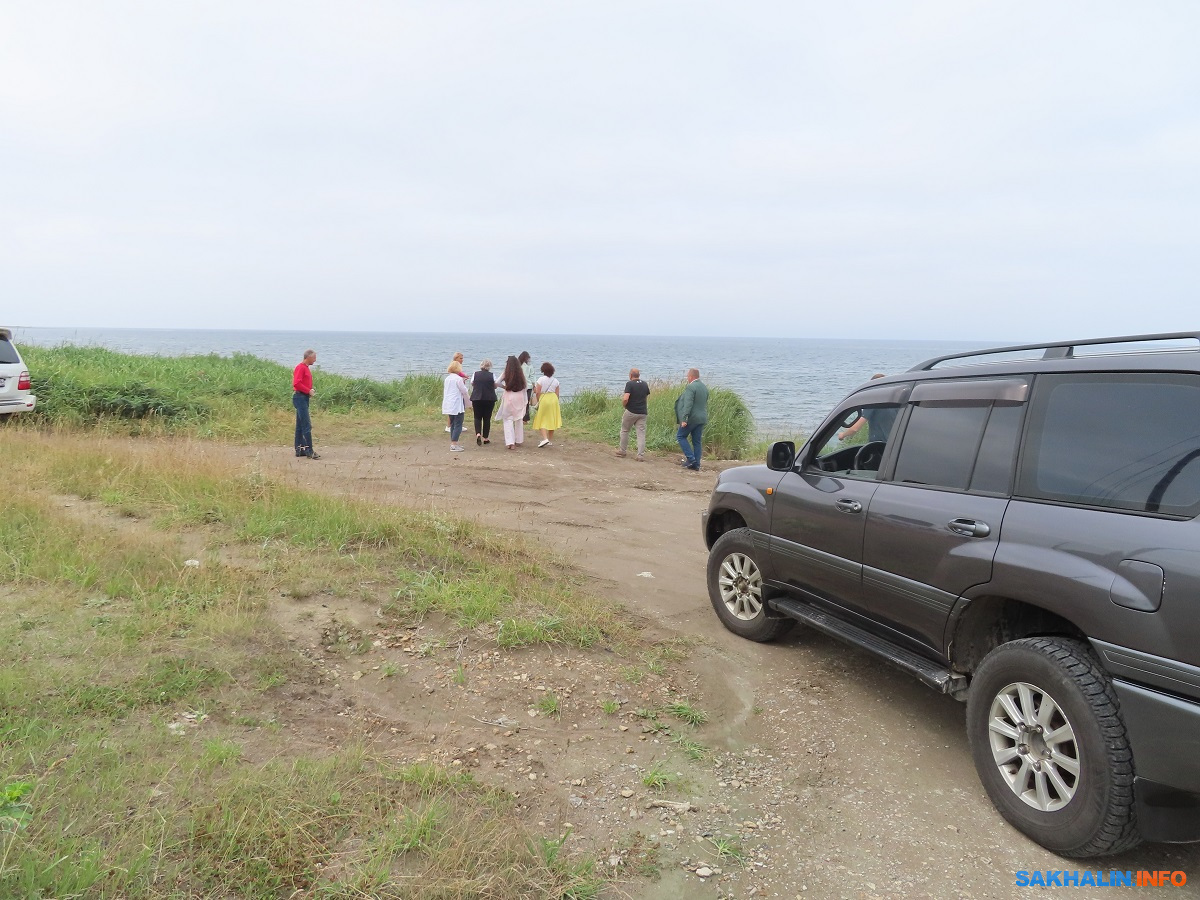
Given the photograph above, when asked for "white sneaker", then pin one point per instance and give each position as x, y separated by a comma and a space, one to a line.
544, 443
457, 449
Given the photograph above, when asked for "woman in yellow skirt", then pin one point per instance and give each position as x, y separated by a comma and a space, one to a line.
549, 412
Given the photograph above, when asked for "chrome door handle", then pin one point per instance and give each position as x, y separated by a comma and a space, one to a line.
969, 527
849, 506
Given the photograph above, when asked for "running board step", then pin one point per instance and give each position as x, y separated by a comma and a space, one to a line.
930, 673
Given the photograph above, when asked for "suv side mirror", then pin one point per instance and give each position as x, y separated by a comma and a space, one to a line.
781, 455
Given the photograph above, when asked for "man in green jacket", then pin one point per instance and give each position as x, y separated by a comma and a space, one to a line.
691, 412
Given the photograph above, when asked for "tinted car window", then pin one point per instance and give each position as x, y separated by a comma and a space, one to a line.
1125, 441
998, 451
940, 443
8, 353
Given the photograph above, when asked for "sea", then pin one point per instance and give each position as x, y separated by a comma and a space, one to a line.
789, 384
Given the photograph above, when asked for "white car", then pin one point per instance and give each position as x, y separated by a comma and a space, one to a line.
15, 394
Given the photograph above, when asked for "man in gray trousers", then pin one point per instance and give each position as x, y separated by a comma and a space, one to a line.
634, 401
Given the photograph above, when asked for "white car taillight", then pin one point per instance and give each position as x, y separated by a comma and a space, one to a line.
23, 383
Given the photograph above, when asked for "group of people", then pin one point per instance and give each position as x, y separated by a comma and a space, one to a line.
518, 394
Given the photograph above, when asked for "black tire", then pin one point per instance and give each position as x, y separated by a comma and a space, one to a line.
735, 575
1067, 718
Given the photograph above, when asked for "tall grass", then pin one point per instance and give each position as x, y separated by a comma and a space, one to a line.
729, 434
228, 395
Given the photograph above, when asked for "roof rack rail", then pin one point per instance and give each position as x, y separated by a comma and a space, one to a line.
1066, 349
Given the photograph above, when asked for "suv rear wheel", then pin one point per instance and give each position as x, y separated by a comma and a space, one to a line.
736, 589
1050, 746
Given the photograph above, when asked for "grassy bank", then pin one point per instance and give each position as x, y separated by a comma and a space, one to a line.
596, 414
245, 398
118, 648
239, 397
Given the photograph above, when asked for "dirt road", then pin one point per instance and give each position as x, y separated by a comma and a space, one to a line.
834, 775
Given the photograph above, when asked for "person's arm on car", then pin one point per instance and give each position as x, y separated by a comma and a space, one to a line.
853, 429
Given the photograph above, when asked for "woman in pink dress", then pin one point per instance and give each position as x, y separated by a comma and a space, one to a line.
512, 407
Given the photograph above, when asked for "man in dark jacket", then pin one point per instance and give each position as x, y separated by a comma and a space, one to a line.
691, 412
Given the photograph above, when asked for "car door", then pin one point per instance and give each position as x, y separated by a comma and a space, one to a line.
1104, 523
934, 525
819, 509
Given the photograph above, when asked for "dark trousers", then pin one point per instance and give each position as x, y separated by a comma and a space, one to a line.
694, 434
483, 416
304, 445
528, 403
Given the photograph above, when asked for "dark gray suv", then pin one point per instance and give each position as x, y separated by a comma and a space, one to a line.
1015, 527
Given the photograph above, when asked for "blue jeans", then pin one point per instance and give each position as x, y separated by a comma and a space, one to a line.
692, 453
456, 424
304, 445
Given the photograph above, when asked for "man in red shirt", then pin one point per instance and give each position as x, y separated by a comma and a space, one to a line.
302, 385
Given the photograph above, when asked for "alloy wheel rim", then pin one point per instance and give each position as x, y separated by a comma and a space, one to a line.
740, 585
1034, 746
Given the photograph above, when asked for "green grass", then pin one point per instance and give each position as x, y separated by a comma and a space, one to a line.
548, 704
582, 873
686, 712
729, 849
145, 749
595, 414
691, 749
657, 778
346, 825
219, 752
239, 397
633, 674
14, 808
439, 566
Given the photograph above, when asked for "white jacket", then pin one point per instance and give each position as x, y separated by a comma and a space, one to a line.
454, 395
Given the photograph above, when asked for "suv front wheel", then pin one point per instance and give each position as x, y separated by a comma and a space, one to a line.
736, 589
1050, 746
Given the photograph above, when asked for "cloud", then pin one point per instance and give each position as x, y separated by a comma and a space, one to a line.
938, 169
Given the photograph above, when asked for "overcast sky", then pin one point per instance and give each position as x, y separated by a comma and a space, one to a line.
982, 170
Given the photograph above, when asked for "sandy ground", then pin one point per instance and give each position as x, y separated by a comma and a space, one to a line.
837, 776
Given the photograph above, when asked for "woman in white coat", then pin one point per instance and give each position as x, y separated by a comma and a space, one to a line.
454, 402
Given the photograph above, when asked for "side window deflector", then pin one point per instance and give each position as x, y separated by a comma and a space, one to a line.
974, 390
